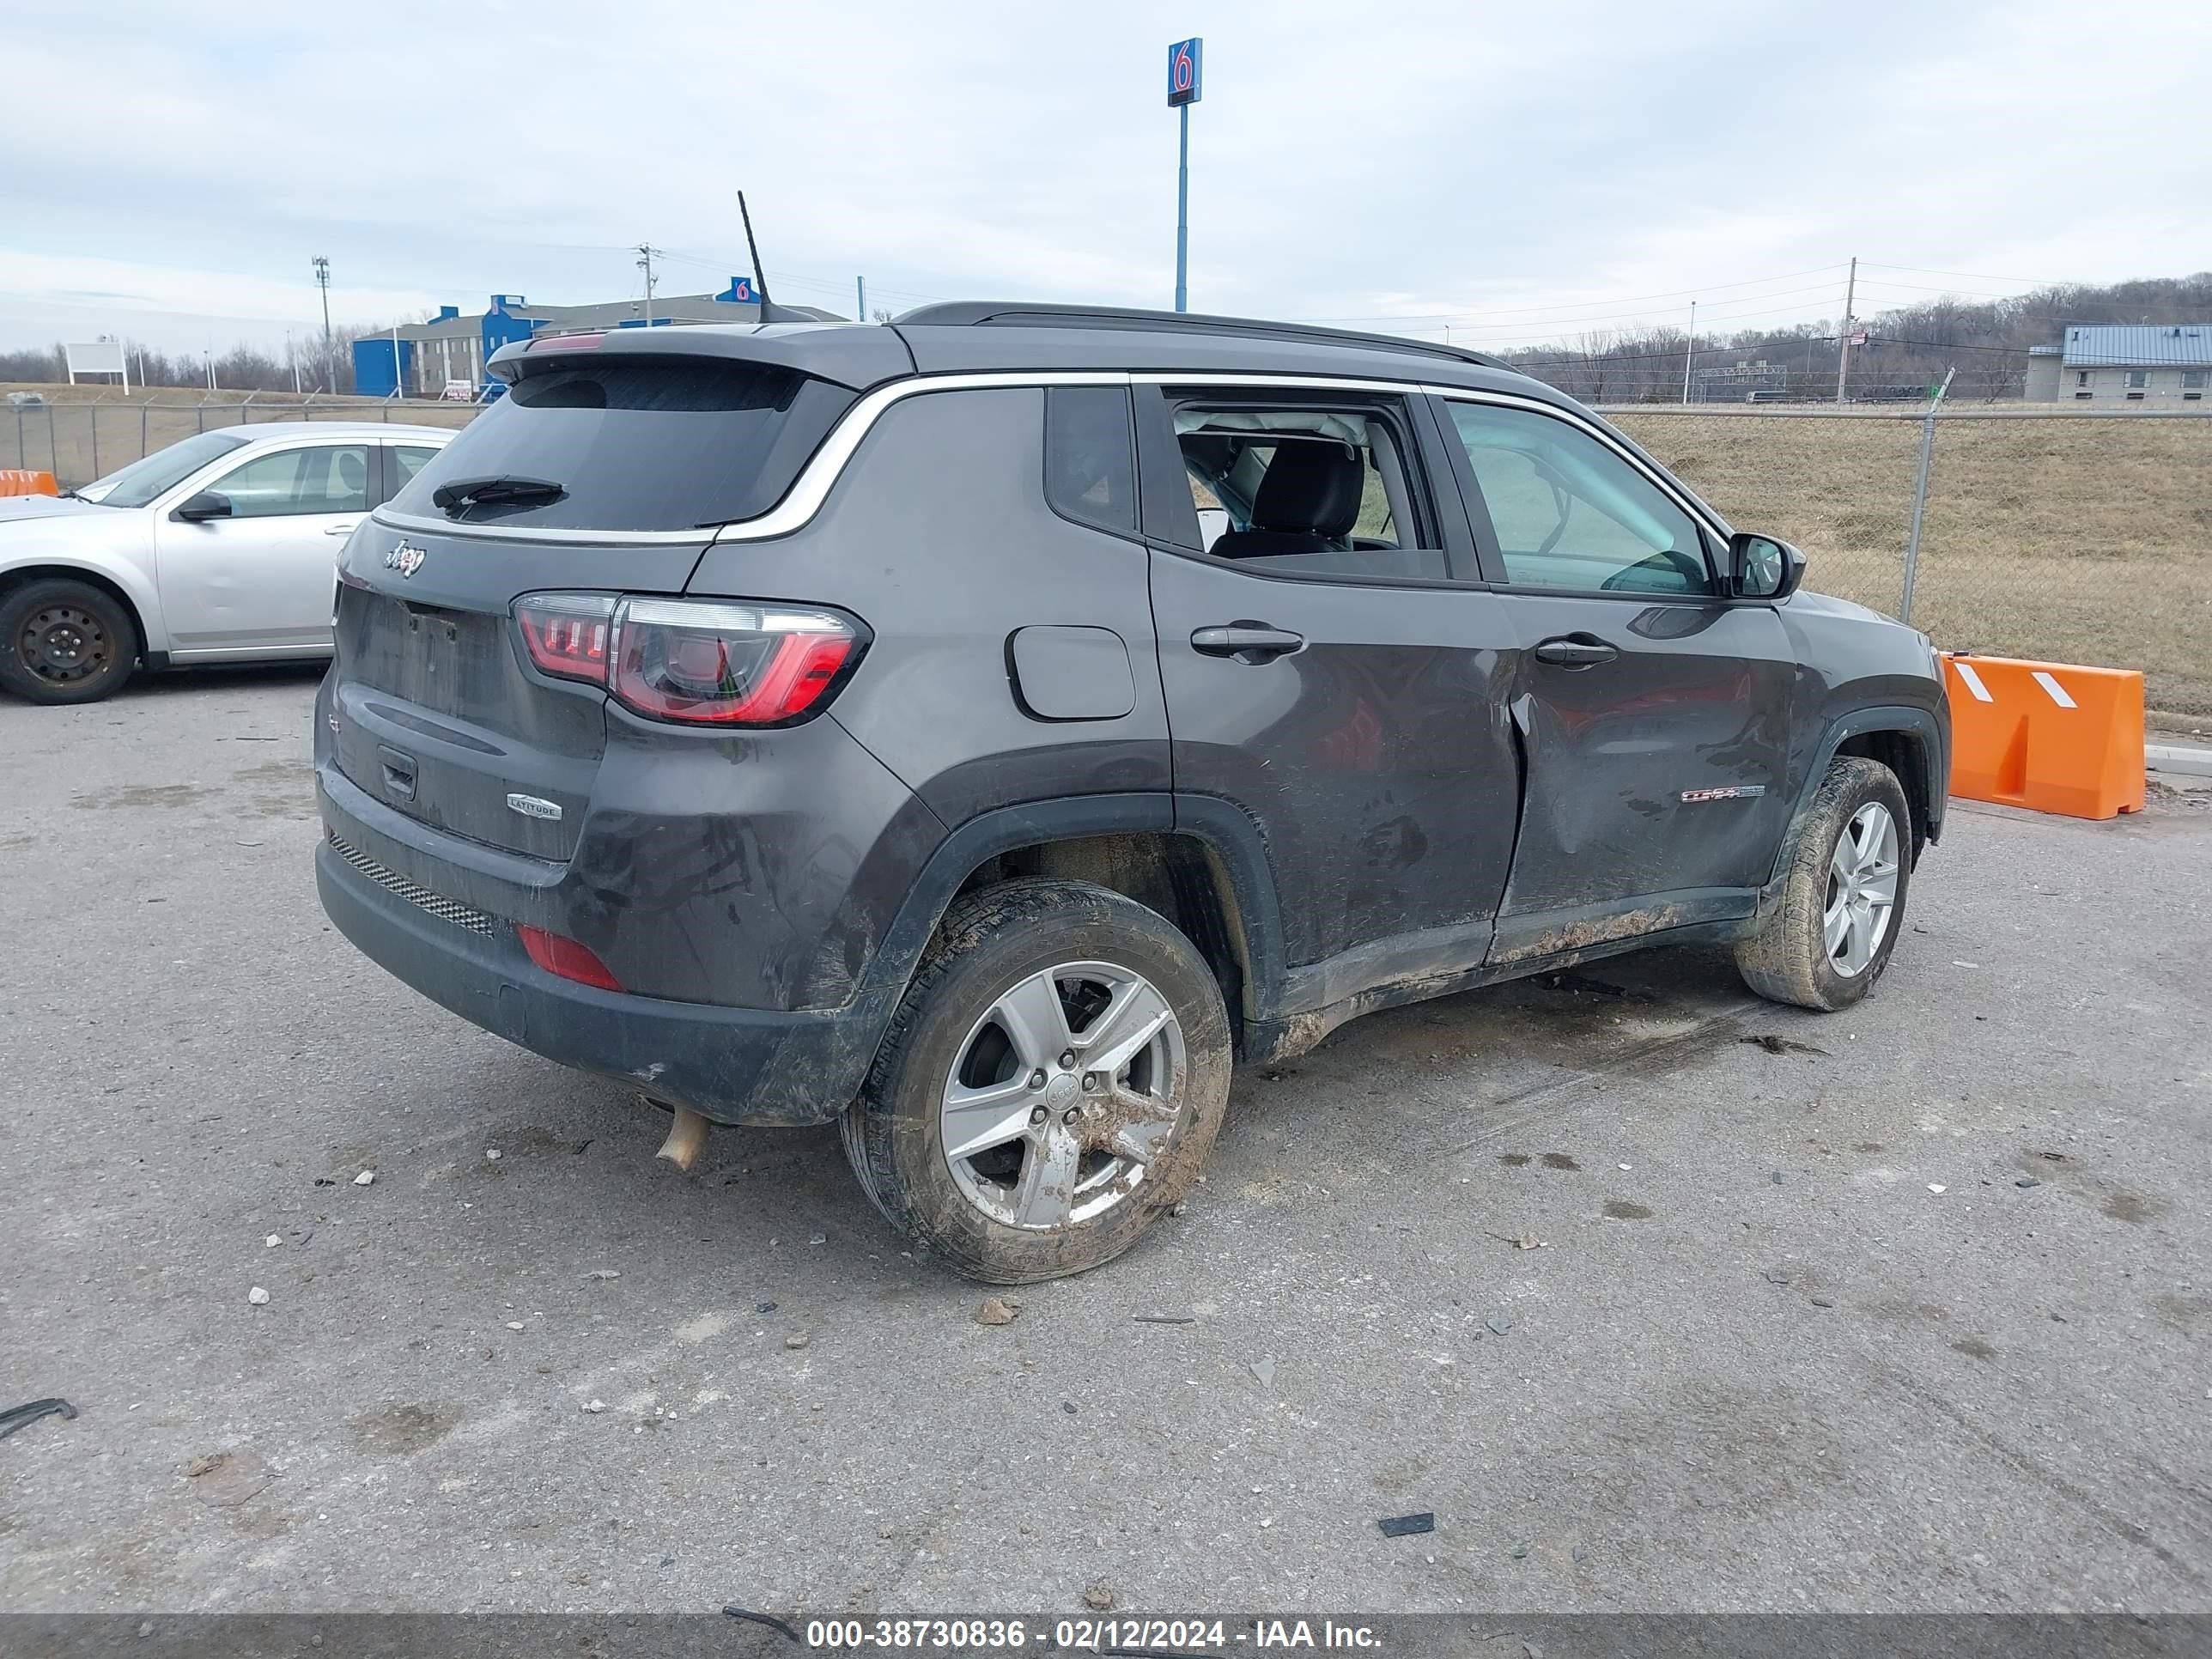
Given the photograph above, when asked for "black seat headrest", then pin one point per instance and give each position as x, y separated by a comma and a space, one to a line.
1312, 485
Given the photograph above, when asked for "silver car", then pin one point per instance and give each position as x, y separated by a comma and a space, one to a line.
219, 549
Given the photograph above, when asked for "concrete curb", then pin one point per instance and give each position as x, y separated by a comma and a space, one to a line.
2174, 757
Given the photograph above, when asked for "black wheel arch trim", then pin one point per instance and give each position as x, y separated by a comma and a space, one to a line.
1219, 825
1919, 724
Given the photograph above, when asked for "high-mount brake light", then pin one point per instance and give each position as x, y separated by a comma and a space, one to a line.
565, 343
694, 661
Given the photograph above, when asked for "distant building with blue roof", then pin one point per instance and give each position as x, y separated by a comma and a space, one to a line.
452, 350
2126, 364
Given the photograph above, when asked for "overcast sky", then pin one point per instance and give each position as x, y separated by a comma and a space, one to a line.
1523, 172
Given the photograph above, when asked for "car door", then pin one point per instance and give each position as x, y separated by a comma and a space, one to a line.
1655, 710
1327, 673
259, 577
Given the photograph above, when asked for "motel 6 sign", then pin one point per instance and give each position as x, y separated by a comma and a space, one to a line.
1185, 61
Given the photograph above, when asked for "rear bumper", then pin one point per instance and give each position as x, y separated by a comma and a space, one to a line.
731, 1065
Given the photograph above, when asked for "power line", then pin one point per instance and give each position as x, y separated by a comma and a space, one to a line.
1617, 300
1955, 293
1661, 319
1979, 277
1939, 345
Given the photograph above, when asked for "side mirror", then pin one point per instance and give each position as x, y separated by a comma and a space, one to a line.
207, 504
1761, 567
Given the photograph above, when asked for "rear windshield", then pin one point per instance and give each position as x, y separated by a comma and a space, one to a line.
666, 444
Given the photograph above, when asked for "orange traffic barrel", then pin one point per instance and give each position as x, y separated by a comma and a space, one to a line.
15, 482
2052, 737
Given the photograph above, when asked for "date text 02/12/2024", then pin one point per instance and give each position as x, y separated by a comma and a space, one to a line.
1088, 1635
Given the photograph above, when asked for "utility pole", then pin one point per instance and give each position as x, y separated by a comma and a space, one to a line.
1689, 351
645, 252
330, 353
1843, 362
860, 299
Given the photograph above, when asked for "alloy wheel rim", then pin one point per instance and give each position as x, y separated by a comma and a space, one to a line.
1065, 1096
1861, 894
62, 644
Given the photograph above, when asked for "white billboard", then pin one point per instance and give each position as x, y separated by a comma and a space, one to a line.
99, 358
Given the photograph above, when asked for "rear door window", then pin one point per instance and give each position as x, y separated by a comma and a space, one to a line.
408, 459
668, 444
1318, 490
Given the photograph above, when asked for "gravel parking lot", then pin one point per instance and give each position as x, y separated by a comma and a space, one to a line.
1905, 1310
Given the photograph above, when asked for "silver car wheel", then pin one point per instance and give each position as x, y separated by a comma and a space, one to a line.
1064, 1093
1861, 895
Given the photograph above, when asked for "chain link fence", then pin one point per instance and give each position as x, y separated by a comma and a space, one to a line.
78, 439
2072, 535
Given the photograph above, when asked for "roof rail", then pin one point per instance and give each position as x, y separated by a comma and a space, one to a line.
968, 313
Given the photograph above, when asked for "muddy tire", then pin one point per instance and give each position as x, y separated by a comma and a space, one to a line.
64, 641
1828, 940
1052, 1081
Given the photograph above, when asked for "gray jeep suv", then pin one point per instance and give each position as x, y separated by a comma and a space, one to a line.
982, 729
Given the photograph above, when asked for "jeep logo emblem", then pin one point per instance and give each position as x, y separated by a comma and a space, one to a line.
406, 558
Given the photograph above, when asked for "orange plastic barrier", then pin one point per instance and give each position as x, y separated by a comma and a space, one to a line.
2053, 737
15, 482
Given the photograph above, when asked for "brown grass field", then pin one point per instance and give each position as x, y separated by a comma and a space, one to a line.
2072, 538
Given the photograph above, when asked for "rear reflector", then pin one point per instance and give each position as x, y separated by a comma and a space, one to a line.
566, 958
697, 662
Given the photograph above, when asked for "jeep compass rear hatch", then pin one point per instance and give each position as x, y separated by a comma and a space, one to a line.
479, 614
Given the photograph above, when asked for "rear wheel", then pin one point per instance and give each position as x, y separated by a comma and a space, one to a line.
64, 641
1053, 1081
1843, 897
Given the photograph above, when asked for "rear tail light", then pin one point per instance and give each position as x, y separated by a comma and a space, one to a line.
566, 958
700, 662
568, 634
728, 664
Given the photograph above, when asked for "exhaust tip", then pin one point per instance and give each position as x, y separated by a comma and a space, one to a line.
687, 1136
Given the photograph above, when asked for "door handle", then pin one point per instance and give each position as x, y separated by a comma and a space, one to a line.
1575, 651
1246, 642
338, 529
